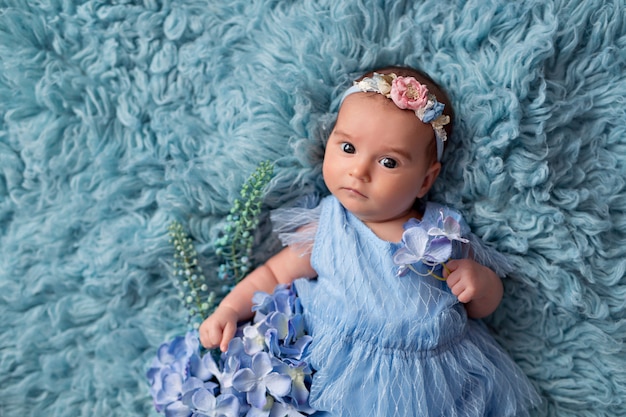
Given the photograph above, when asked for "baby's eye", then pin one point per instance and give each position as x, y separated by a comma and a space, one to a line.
347, 147
388, 162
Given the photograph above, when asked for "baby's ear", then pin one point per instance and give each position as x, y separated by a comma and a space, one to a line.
429, 179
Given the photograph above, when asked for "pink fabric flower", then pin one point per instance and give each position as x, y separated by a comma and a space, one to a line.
408, 93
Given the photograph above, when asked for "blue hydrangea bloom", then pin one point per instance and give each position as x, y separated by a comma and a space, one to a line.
261, 374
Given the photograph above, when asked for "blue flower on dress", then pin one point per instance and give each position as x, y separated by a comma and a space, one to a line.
448, 228
430, 247
417, 246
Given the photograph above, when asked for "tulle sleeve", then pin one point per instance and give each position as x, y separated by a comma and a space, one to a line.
296, 226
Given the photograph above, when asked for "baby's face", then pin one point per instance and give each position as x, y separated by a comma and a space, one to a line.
377, 159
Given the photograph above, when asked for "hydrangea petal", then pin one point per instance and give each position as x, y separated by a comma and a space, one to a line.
177, 409
404, 257
203, 368
227, 405
280, 322
278, 385
285, 410
192, 384
244, 380
439, 250
204, 401
415, 239
261, 364
256, 397
172, 388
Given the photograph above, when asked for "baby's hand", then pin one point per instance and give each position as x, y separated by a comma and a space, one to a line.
475, 285
219, 328
465, 279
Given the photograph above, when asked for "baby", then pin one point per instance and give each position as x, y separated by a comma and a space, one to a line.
386, 304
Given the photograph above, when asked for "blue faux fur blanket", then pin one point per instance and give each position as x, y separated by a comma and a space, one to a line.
119, 116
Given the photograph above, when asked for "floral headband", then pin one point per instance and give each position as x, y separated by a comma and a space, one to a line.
407, 93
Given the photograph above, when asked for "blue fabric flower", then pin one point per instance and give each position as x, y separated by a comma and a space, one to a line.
254, 338
432, 111
285, 410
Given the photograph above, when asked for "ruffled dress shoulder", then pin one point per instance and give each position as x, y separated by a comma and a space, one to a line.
296, 226
389, 345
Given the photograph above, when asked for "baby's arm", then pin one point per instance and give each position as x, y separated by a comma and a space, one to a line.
283, 268
475, 285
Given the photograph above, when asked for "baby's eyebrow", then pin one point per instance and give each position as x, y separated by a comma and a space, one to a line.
402, 152
341, 133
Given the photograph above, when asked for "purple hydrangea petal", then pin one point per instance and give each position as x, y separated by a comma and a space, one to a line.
439, 250
415, 238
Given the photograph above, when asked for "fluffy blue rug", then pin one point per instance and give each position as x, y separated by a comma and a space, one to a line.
119, 116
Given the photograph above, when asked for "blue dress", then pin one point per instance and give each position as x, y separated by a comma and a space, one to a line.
389, 345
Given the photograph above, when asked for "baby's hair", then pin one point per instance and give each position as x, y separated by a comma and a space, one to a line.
425, 79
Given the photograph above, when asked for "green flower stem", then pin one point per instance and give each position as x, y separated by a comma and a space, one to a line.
412, 268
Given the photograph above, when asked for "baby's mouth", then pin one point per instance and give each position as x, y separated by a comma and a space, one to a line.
354, 191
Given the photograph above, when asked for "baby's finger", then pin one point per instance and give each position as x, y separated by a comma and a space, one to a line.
455, 285
213, 336
465, 296
227, 335
204, 334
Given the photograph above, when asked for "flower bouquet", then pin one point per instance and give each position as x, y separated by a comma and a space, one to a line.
263, 372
